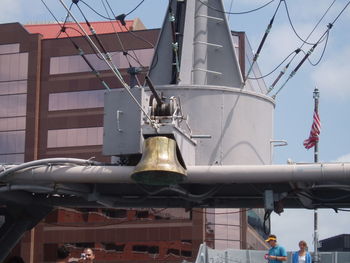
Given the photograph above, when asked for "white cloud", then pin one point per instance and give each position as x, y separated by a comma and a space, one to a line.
343, 158
332, 76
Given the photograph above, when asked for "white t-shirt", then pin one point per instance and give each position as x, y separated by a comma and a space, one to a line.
301, 259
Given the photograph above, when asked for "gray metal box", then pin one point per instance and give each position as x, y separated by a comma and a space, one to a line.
122, 122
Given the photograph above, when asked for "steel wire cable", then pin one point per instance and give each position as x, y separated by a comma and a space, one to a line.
272, 71
113, 68
81, 53
292, 26
330, 25
125, 53
236, 13
120, 41
262, 42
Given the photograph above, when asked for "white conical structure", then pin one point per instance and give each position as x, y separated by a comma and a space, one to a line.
204, 72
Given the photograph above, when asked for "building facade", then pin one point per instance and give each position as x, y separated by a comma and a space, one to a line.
336, 243
51, 105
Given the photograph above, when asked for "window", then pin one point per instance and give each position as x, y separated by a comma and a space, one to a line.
13, 67
12, 142
11, 124
9, 48
12, 158
13, 103
76, 100
75, 64
13, 87
75, 137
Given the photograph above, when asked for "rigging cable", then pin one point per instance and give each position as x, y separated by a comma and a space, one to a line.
92, 30
65, 21
322, 54
80, 51
285, 68
281, 73
135, 8
125, 53
272, 71
236, 13
107, 55
122, 21
121, 18
292, 26
267, 31
107, 18
228, 15
111, 66
63, 29
175, 44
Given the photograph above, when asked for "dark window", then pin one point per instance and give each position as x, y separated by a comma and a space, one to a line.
140, 248
115, 213
186, 253
173, 251
146, 249
142, 214
114, 247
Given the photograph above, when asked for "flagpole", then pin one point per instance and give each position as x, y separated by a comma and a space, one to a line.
316, 96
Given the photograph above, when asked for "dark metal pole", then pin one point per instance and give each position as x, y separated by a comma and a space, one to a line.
316, 96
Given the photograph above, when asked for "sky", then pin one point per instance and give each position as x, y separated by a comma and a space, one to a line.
294, 103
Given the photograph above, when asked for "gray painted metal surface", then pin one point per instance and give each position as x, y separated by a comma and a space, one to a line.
122, 122
239, 123
205, 175
206, 48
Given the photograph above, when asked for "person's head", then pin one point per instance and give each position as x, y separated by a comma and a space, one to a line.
272, 240
302, 245
62, 253
89, 255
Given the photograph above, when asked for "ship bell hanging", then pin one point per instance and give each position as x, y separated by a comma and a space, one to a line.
159, 164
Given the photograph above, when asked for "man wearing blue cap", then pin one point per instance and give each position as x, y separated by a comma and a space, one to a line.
277, 253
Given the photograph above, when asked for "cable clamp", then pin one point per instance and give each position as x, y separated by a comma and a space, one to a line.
121, 18
171, 18
176, 45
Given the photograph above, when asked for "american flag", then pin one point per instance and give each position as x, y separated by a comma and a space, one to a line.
315, 131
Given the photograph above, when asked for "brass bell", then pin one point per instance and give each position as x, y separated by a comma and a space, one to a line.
159, 164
